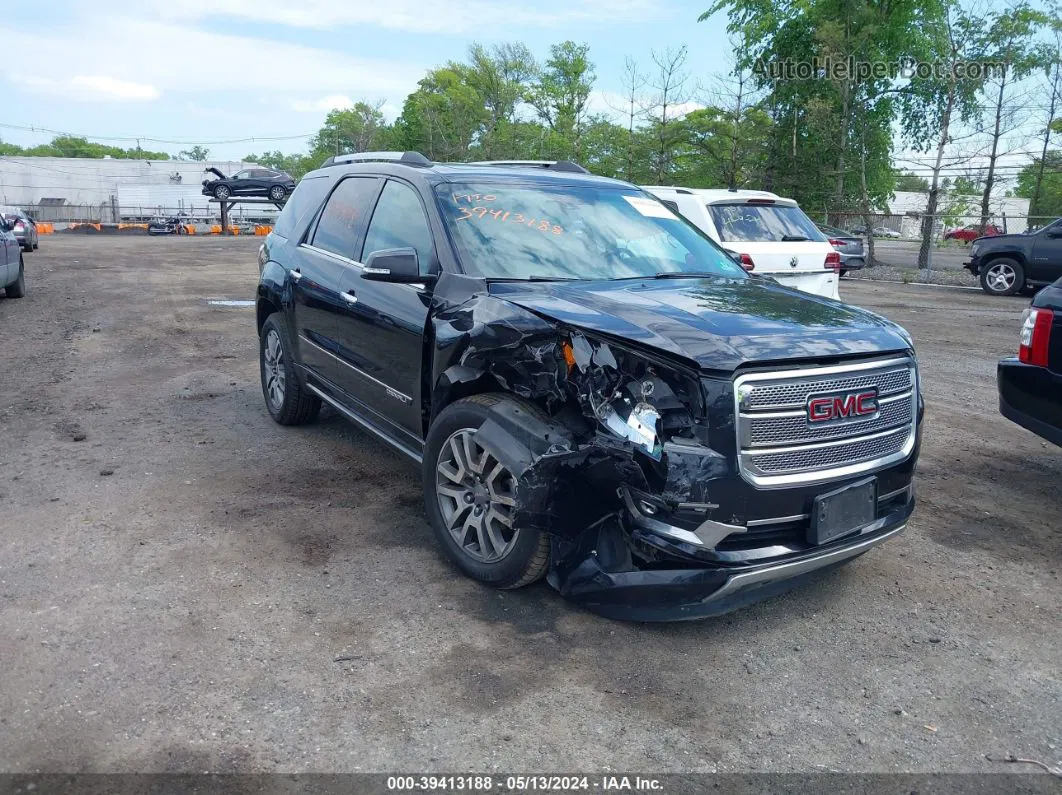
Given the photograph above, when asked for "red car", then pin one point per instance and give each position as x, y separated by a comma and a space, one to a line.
967, 234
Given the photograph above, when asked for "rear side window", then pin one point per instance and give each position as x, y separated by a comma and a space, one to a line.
399, 222
305, 200
763, 223
343, 216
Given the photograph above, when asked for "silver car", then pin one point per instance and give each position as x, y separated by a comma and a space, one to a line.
848, 245
12, 271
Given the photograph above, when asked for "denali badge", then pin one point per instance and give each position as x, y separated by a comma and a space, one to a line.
847, 405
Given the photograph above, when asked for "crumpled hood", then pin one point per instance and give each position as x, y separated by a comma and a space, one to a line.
719, 324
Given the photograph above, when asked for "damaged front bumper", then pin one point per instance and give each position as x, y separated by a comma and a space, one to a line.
682, 589
637, 563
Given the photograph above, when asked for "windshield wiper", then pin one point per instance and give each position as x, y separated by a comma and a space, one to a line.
683, 275
794, 239
536, 277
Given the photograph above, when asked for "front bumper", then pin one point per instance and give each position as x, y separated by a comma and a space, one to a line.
1031, 396
699, 589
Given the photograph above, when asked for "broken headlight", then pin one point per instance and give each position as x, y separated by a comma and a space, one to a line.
627, 395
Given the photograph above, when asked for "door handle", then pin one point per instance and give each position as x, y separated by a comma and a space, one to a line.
296, 274
349, 297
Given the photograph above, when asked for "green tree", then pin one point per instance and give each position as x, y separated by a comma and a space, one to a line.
294, 164
74, 146
502, 77
361, 128
911, 182
443, 116
936, 102
1041, 182
196, 153
563, 90
1010, 41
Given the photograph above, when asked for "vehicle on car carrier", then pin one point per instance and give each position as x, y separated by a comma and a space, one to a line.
594, 390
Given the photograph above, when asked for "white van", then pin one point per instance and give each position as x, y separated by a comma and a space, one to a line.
772, 235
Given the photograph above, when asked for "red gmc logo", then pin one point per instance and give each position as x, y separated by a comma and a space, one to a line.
831, 408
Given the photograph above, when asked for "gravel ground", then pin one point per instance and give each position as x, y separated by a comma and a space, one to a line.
913, 275
186, 586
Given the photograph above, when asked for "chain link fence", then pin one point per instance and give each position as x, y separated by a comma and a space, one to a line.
108, 213
946, 227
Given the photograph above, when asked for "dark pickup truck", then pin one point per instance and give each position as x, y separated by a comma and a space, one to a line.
595, 392
1007, 264
1030, 385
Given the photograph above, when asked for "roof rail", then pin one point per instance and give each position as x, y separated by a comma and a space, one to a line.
407, 158
553, 165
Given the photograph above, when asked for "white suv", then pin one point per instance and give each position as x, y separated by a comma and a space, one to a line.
771, 235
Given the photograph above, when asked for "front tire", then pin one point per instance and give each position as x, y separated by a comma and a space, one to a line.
469, 502
287, 399
1002, 277
18, 288
222, 192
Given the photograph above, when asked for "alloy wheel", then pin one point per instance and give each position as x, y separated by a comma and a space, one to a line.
1000, 277
273, 364
475, 493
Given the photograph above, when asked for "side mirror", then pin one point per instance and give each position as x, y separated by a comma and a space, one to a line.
395, 266
1054, 234
734, 256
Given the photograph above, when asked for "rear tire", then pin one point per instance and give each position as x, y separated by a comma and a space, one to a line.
1002, 277
277, 193
286, 398
473, 532
18, 288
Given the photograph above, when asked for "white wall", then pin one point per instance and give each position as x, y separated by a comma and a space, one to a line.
27, 180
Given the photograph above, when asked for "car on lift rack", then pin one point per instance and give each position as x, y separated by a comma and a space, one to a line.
595, 392
260, 182
1030, 384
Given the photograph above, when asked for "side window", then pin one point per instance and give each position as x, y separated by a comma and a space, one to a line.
343, 216
239, 175
303, 203
399, 221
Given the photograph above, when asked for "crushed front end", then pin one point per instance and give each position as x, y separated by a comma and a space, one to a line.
673, 495
671, 491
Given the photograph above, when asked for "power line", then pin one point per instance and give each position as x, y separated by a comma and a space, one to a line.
176, 142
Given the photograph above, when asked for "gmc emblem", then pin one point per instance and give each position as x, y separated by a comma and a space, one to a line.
849, 405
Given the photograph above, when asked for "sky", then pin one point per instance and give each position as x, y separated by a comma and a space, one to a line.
176, 74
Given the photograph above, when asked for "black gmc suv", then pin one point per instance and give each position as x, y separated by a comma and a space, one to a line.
595, 390
1007, 264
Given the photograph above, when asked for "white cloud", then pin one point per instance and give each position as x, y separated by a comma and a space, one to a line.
90, 88
115, 89
174, 57
324, 104
419, 16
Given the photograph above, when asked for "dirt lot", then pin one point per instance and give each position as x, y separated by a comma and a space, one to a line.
178, 575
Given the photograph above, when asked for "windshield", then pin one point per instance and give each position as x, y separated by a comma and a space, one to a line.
763, 223
526, 231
